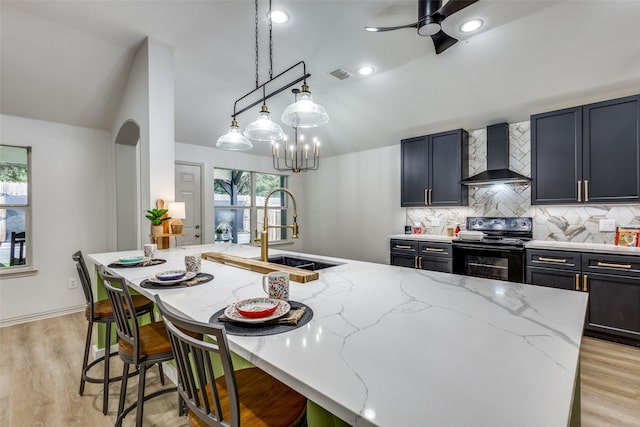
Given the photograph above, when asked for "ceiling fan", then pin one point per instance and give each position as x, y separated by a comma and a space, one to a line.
431, 13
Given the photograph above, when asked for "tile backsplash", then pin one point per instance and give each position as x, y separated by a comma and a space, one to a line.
565, 223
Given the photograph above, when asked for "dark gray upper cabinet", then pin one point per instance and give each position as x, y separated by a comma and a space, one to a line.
611, 151
432, 168
587, 154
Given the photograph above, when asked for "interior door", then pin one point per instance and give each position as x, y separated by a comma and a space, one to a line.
189, 190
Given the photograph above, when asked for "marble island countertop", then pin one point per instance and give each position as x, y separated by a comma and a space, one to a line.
392, 346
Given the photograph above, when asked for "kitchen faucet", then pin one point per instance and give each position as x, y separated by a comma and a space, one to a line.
264, 239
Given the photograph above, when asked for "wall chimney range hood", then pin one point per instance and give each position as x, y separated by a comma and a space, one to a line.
498, 171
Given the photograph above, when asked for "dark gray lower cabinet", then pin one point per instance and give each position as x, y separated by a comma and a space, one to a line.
612, 281
421, 255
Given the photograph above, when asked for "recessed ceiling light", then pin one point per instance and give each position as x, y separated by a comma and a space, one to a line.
365, 70
471, 25
279, 17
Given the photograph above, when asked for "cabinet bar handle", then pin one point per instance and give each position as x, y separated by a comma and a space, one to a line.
579, 191
420, 262
606, 264
430, 196
560, 260
434, 249
415, 262
426, 196
577, 281
586, 190
403, 247
585, 287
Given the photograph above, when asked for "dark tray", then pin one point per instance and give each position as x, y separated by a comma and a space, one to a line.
261, 329
155, 261
151, 285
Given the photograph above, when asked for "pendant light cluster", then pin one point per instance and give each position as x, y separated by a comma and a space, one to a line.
303, 113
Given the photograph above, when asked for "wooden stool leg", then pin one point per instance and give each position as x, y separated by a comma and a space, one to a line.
87, 345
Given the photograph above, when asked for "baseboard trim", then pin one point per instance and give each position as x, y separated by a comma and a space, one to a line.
40, 316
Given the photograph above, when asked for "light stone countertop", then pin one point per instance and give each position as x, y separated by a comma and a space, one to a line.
582, 247
424, 237
391, 346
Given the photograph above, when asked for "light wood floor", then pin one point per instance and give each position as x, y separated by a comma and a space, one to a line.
40, 363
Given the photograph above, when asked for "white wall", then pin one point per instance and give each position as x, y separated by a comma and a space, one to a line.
72, 184
148, 100
352, 204
211, 158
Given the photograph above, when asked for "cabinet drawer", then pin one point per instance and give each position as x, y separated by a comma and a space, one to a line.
559, 260
404, 247
620, 265
552, 278
433, 249
437, 264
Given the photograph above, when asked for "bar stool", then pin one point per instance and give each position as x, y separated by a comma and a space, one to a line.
248, 397
141, 346
101, 312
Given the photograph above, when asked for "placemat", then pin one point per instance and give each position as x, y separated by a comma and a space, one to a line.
261, 329
155, 261
200, 278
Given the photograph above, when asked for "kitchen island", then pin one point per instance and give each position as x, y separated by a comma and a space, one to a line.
390, 346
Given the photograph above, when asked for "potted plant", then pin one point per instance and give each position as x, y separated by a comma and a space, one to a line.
219, 232
156, 216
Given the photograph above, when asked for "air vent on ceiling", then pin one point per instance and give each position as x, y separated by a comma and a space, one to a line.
341, 73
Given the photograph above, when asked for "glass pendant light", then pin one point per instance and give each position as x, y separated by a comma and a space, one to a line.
234, 140
304, 113
263, 129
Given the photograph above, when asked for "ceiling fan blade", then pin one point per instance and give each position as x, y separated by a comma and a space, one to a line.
382, 29
453, 6
442, 41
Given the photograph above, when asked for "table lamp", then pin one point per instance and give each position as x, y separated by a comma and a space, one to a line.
177, 214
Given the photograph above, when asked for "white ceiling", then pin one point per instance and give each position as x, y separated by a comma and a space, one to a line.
67, 61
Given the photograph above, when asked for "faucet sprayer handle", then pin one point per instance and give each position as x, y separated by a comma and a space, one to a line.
294, 234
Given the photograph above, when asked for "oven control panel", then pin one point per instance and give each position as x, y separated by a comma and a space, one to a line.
508, 224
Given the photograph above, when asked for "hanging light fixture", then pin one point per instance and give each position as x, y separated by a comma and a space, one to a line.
304, 113
264, 129
234, 140
296, 156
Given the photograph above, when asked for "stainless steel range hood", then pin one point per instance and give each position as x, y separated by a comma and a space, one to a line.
497, 160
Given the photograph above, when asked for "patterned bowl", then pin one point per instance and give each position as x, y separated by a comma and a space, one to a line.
171, 275
257, 307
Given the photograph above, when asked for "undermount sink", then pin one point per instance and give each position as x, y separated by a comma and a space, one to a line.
299, 262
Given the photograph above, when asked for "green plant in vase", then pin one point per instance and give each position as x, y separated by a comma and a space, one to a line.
156, 216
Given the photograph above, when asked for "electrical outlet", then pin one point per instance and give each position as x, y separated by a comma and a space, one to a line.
73, 283
435, 222
607, 225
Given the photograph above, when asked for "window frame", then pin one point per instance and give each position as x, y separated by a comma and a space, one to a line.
28, 267
253, 208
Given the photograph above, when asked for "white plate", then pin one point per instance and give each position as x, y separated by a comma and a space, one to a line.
190, 275
232, 313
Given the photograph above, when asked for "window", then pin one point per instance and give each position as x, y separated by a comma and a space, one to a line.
239, 198
15, 207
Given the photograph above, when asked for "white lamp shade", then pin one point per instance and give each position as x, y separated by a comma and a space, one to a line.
264, 129
177, 210
234, 140
304, 113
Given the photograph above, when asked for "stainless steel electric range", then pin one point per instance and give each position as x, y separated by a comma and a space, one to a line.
500, 254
